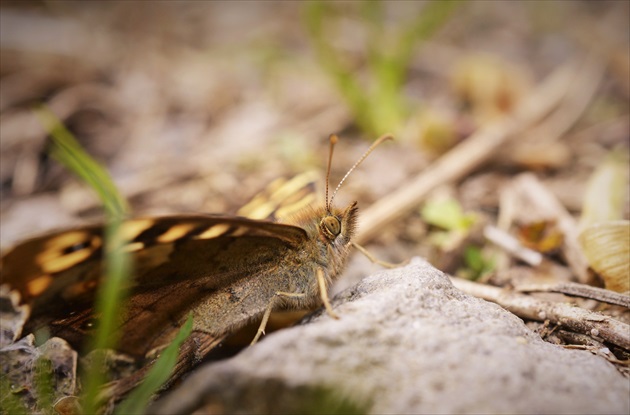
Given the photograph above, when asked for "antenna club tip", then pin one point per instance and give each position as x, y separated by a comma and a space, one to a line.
334, 139
385, 137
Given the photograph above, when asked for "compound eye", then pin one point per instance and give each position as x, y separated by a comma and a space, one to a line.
331, 226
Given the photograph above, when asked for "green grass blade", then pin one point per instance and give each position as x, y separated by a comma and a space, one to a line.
138, 400
67, 150
378, 104
111, 295
112, 292
113, 289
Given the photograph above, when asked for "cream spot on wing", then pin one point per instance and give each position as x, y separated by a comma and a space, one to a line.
275, 185
63, 262
131, 229
241, 230
134, 247
258, 208
261, 211
214, 231
67, 239
286, 211
66, 250
175, 232
293, 186
38, 285
282, 193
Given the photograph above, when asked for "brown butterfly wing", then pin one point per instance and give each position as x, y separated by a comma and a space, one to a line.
283, 198
40, 267
179, 261
220, 271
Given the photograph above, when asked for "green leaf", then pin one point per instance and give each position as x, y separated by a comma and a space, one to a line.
447, 214
138, 400
477, 265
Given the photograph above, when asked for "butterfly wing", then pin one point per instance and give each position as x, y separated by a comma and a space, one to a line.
178, 261
283, 198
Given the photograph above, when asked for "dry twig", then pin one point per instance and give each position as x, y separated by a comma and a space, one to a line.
574, 103
579, 290
528, 196
512, 245
576, 319
474, 151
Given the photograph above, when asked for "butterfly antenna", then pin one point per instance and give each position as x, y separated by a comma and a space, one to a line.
333, 141
378, 142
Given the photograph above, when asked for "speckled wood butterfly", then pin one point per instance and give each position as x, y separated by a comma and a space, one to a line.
226, 270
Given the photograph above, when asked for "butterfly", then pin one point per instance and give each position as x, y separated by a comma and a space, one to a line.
225, 270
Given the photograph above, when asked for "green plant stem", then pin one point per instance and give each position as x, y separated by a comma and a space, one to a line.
138, 400
114, 286
110, 296
381, 105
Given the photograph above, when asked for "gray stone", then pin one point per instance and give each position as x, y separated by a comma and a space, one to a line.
407, 342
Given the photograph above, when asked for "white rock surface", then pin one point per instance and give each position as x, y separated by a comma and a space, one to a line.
407, 342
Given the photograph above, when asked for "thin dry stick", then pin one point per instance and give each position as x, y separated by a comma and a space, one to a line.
531, 194
579, 290
574, 318
512, 245
473, 152
573, 104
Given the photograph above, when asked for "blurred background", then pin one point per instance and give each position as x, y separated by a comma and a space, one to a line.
197, 106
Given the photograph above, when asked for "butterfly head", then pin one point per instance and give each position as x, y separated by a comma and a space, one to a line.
339, 223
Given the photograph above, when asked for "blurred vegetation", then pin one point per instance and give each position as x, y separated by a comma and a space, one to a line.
453, 228
43, 382
67, 150
112, 293
327, 400
139, 398
379, 105
43, 386
447, 214
477, 264
10, 399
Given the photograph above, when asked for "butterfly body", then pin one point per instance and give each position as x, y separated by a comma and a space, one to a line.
226, 270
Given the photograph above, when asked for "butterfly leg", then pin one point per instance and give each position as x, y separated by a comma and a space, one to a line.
323, 292
375, 260
270, 307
